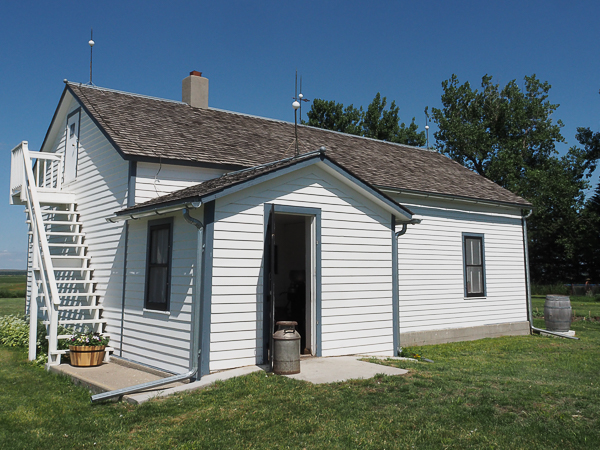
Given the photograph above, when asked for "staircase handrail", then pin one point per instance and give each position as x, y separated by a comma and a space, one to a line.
38, 222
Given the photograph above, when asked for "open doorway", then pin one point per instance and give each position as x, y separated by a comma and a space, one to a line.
292, 274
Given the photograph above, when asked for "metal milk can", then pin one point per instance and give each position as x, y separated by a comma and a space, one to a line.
286, 348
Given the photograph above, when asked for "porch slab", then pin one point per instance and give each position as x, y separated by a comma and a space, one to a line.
341, 368
112, 376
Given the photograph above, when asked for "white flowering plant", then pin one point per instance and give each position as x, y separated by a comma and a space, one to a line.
89, 339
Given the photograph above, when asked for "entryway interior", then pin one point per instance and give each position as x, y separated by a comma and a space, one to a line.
293, 274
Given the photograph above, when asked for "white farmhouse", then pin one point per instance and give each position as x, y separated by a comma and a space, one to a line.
185, 232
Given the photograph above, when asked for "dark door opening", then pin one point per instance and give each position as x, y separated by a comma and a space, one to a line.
291, 275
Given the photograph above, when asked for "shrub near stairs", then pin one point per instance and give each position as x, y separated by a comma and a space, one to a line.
14, 332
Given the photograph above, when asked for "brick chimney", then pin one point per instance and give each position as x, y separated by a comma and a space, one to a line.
194, 90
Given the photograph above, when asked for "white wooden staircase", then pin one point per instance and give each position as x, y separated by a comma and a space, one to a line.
60, 278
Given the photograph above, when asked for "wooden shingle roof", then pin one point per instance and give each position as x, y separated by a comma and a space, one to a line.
145, 128
210, 189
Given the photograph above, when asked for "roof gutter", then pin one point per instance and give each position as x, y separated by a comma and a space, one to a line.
452, 197
153, 212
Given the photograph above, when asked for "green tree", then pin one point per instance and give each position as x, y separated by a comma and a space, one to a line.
376, 122
590, 238
333, 116
589, 242
508, 135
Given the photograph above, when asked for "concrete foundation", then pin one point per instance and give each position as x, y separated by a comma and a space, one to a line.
417, 338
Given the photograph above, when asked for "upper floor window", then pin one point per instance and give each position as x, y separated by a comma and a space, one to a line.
474, 265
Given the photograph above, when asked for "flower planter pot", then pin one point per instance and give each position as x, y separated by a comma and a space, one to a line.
86, 356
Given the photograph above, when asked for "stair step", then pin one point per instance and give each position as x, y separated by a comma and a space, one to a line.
60, 352
61, 233
57, 222
79, 308
75, 308
75, 321
52, 211
69, 257
58, 244
62, 222
71, 269
57, 211
69, 295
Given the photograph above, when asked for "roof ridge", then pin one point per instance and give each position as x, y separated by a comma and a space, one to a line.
116, 91
252, 116
371, 139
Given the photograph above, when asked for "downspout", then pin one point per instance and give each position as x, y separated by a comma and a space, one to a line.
195, 353
527, 278
197, 314
124, 291
528, 284
397, 283
402, 230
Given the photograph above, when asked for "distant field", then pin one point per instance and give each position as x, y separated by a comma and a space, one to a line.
12, 272
12, 294
11, 284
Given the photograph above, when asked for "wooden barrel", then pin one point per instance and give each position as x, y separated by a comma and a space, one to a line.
557, 313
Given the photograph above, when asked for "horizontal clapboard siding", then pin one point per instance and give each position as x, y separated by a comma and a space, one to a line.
356, 268
100, 189
153, 180
160, 339
431, 275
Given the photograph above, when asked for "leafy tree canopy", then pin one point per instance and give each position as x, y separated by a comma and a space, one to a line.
589, 239
509, 136
376, 122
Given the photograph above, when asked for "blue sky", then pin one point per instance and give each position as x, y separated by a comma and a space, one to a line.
345, 51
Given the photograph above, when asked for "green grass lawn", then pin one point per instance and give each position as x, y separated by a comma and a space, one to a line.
529, 392
12, 306
12, 283
9, 285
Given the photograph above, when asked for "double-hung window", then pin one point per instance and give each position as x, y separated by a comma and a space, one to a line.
158, 266
474, 265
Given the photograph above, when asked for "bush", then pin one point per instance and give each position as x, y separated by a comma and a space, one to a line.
14, 331
545, 289
6, 293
